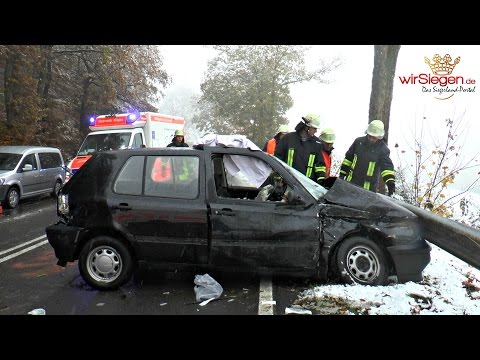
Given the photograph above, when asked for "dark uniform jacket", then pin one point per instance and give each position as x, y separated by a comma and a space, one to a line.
304, 156
363, 163
177, 144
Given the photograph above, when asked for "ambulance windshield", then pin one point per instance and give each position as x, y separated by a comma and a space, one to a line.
102, 142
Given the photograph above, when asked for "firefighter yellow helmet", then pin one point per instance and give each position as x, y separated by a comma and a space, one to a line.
312, 120
376, 128
327, 136
282, 129
179, 133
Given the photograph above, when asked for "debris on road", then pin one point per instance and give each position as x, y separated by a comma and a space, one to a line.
206, 288
37, 312
297, 311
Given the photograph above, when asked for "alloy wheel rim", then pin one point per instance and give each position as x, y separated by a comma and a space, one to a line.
363, 264
13, 198
104, 264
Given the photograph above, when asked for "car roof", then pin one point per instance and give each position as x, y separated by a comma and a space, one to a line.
172, 149
24, 148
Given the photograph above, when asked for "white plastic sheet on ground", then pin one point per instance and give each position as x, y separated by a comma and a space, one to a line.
207, 288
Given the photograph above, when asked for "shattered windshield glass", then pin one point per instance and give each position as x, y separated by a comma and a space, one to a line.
316, 190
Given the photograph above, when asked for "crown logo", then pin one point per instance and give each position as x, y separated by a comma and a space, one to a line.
442, 66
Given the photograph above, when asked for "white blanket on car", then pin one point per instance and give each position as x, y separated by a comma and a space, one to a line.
237, 141
245, 170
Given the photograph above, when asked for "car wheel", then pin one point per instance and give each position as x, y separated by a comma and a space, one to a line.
105, 263
13, 197
56, 188
360, 260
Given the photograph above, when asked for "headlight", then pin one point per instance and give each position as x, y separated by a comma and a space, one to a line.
62, 204
2, 181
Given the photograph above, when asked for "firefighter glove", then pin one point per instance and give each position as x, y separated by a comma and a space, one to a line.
391, 188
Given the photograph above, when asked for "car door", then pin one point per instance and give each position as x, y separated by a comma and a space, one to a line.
259, 234
163, 210
49, 167
29, 177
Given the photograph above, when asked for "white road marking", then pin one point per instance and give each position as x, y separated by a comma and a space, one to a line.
22, 245
11, 256
265, 302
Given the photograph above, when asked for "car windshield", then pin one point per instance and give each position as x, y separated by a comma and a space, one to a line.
103, 142
9, 161
316, 190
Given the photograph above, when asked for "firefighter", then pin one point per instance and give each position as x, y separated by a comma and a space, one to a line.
178, 140
327, 136
272, 143
301, 149
368, 157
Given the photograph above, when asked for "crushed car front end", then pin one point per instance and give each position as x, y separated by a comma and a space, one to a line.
352, 212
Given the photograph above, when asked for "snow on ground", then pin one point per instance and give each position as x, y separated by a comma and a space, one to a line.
450, 287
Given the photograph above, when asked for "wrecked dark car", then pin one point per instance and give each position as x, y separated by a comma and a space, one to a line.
228, 209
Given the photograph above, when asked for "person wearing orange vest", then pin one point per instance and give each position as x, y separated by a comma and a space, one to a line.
162, 170
271, 144
327, 137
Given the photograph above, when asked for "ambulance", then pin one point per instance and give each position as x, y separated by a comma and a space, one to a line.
125, 131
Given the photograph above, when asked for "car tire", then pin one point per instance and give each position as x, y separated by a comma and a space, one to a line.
12, 198
56, 188
105, 263
360, 260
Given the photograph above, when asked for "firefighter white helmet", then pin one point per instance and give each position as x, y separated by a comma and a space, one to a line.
327, 136
312, 120
376, 128
282, 129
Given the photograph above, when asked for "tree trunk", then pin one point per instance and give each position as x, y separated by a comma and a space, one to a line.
44, 74
83, 125
9, 88
384, 65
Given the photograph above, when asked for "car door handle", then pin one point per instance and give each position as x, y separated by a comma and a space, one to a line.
122, 207
226, 212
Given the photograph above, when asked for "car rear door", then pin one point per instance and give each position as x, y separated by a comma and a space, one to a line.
50, 167
164, 210
260, 234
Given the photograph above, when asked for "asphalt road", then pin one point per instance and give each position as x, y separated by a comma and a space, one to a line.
30, 279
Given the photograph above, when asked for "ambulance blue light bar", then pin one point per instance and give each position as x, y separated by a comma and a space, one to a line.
131, 118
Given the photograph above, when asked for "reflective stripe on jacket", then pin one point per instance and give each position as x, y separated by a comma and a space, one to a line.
364, 162
324, 171
304, 156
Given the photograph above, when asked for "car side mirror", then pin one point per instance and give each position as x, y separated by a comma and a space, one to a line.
27, 167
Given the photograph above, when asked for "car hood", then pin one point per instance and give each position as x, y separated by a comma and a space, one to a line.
5, 172
346, 194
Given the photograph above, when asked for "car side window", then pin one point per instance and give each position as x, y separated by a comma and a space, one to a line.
129, 180
247, 178
29, 160
137, 141
49, 160
172, 176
